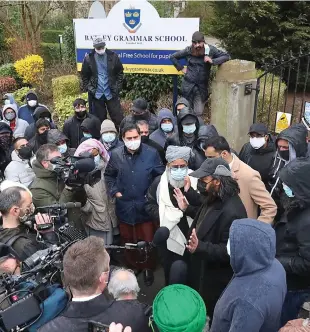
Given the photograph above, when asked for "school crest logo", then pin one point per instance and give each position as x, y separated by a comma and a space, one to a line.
132, 19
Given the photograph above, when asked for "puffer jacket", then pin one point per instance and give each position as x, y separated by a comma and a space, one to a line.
20, 125
150, 118
159, 136
19, 170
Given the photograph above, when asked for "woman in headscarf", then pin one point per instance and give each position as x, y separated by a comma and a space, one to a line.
99, 209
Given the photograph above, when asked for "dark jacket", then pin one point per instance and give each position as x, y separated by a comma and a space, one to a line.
198, 71
114, 145
210, 271
72, 129
46, 188
205, 132
92, 125
159, 136
37, 140
76, 316
5, 151
293, 228
89, 73
296, 135
25, 112
178, 138
260, 159
150, 118
146, 140
253, 299
132, 175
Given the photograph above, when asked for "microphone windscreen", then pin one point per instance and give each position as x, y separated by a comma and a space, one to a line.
71, 205
161, 236
85, 165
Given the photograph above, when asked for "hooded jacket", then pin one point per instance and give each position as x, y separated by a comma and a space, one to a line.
55, 136
20, 125
181, 100
5, 151
296, 135
293, 229
159, 136
25, 112
253, 299
92, 126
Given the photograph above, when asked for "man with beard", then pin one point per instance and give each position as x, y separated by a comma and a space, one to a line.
6, 135
140, 112
40, 138
162, 205
292, 232
200, 57
209, 265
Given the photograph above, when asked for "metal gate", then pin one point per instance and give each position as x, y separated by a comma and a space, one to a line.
284, 86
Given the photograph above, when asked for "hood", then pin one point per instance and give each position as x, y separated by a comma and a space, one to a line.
180, 101
296, 135
91, 125
183, 113
11, 98
13, 107
207, 131
42, 172
164, 113
252, 246
39, 111
5, 128
54, 136
296, 175
15, 157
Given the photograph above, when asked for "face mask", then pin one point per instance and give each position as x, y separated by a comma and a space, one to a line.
178, 174
202, 187
228, 247
5, 141
87, 135
133, 145
141, 116
81, 114
189, 129
108, 137
10, 116
167, 127
257, 142
100, 52
32, 103
144, 139
285, 154
288, 191
62, 148
42, 138
25, 152
97, 159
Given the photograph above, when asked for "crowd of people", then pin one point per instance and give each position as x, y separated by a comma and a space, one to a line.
238, 253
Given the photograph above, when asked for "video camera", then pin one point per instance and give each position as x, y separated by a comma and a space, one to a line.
77, 171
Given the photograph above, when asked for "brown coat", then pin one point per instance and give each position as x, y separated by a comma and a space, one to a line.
253, 192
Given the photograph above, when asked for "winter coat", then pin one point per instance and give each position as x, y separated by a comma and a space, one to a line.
19, 170
198, 71
89, 73
209, 269
92, 125
159, 136
25, 112
131, 175
253, 299
72, 129
150, 118
146, 140
260, 160
5, 152
293, 228
46, 188
20, 125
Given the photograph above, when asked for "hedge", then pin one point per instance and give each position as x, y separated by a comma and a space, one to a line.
8, 70
30, 69
51, 36
7, 84
50, 52
69, 45
65, 86
19, 95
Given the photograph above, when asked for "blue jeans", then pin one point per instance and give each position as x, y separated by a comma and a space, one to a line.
292, 304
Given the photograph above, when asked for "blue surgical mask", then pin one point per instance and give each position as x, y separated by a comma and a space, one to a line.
288, 191
189, 129
87, 135
178, 174
167, 127
108, 137
97, 159
62, 148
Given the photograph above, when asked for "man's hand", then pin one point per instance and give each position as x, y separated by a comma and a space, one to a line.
184, 70
208, 59
118, 328
118, 195
193, 242
187, 183
181, 199
43, 219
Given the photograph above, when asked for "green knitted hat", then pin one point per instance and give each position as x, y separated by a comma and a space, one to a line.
179, 308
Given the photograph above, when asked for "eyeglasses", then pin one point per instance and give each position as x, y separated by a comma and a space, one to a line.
178, 166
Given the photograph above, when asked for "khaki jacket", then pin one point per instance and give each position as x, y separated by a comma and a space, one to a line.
253, 192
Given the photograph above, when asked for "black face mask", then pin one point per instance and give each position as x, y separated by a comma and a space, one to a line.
80, 115
201, 187
42, 138
5, 142
144, 139
143, 116
285, 154
25, 152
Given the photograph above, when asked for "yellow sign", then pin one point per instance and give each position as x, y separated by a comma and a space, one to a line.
283, 121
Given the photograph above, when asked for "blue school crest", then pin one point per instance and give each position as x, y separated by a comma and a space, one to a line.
132, 19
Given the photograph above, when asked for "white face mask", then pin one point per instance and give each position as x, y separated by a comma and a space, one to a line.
100, 52
133, 145
257, 142
32, 103
97, 160
228, 247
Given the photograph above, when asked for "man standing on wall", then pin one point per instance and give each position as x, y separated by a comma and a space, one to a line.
102, 76
200, 57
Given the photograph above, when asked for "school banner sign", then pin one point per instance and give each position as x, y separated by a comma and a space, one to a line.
134, 30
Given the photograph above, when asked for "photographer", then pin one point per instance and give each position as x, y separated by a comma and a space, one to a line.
16, 207
48, 188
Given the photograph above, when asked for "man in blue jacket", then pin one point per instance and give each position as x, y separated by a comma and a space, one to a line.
253, 299
129, 173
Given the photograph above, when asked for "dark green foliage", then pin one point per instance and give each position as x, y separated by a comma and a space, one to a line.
69, 45
50, 36
50, 52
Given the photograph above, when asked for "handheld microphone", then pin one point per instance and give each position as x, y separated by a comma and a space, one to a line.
61, 206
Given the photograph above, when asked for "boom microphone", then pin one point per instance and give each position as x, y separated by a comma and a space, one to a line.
61, 206
84, 165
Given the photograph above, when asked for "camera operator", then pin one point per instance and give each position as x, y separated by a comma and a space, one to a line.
16, 207
48, 187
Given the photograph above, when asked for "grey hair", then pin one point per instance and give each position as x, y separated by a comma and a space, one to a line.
120, 287
10, 197
142, 123
44, 151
